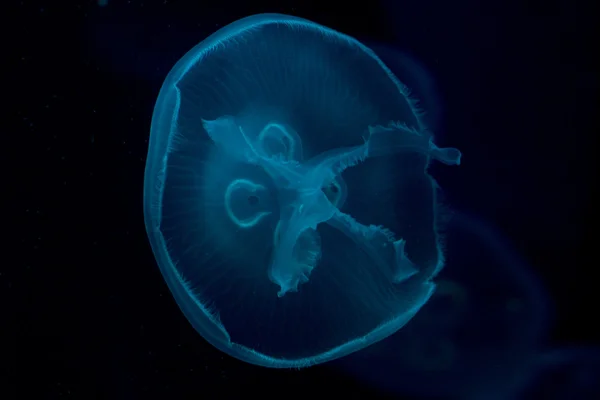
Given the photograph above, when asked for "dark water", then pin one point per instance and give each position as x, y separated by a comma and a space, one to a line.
512, 85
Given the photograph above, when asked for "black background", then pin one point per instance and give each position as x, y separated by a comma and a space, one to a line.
89, 315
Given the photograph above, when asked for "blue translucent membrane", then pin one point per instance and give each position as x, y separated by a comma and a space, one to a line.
304, 205
287, 198
481, 335
416, 76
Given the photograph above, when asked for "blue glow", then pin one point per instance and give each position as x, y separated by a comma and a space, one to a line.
569, 373
286, 195
481, 334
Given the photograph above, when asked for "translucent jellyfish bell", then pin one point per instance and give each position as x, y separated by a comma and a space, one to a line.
481, 334
287, 198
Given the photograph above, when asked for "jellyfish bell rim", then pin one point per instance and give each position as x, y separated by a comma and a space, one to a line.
195, 54
214, 333
164, 116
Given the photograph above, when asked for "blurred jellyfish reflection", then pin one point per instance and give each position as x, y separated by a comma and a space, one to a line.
477, 338
565, 374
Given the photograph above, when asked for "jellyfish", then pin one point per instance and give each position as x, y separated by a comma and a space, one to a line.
287, 197
481, 334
